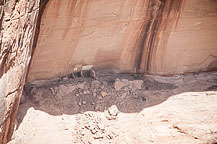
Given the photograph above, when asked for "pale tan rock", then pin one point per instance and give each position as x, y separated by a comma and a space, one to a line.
113, 110
103, 94
123, 96
118, 85
63, 89
81, 86
137, 84
96, 83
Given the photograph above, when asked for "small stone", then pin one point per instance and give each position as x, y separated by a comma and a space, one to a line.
113, 110
52, 90
93, 74
103, 94
131, 87
123, 96
126, 89
84, 102
81, 86
96, 83
86, 92
16, 124
137, 84
97, 107
77, 95
117, 79
101, 126
79, 103
125, 81
135, 95
118, 85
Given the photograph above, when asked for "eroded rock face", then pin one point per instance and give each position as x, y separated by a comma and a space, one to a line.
191, 45
160, 37
17, 22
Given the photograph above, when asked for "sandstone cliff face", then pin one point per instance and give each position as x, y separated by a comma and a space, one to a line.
17, 23
191, 45
160, 37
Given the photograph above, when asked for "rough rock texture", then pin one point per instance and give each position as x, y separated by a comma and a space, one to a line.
155, 36
17, 22
161, 37
164, 110
191, 45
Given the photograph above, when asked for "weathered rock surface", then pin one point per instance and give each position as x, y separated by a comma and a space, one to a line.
160, 37
119, 85
18, 21
161, 113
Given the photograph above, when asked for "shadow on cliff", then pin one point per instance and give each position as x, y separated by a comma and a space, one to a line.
76, 96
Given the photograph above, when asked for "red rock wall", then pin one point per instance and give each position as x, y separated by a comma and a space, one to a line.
191, 45
160, 37
18, 19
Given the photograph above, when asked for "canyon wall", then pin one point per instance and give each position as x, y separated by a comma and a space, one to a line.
192, 43
155, 36
18, 19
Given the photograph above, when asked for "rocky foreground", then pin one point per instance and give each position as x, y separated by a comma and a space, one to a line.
119, 108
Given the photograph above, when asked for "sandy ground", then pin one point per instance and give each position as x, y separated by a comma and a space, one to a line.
119, 109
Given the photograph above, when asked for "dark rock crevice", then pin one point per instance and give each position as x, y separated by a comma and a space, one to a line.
42, 6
